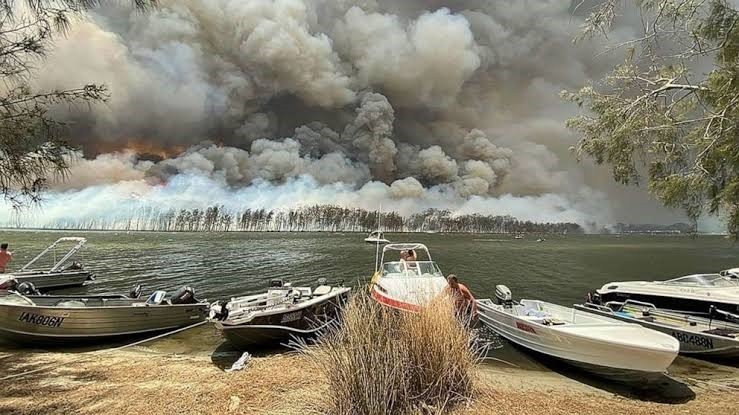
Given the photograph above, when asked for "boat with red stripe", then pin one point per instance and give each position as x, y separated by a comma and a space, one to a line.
409, 282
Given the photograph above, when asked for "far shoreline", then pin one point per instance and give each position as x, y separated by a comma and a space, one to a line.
359, 232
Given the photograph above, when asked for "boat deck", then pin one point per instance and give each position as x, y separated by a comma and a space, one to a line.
685, 323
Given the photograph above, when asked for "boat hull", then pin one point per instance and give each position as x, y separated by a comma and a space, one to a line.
625, 376
694, 344
54, 325
282, 327
620, 362
407, 294
45, 281
388, 301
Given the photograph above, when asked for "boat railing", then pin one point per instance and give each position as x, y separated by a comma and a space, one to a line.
79, 243
635, 302
599, 307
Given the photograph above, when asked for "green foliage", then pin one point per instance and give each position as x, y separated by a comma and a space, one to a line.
653, 114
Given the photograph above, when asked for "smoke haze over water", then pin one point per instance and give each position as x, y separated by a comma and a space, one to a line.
362, 103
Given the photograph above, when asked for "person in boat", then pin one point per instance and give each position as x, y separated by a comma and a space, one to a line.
464, 302
411, 256
5, 257
408, 258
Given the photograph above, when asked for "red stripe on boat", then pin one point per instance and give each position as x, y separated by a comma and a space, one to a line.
387, 301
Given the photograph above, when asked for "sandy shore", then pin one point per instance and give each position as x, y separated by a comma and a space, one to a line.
141, 380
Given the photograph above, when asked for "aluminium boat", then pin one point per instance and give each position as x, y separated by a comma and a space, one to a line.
65, 320
281, 314
690, 294
64, 272
604, 346
406, 285
699, 337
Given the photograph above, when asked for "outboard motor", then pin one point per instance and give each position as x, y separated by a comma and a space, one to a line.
503, 296
219, 311
26, 288
135, 292
276, 283
185, 295
322, 281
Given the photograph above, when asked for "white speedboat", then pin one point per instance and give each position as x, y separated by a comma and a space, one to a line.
406, 285
604, 346
699, 337
64, 272
376, 237
691, 294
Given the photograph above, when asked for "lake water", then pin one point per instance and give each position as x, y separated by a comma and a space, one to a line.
562, 269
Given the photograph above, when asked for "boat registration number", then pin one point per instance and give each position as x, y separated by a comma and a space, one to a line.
700, 341
291, 317
525, 327
39, 320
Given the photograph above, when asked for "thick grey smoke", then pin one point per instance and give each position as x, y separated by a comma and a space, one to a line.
415, 104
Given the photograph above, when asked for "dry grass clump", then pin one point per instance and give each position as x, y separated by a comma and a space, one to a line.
381, 361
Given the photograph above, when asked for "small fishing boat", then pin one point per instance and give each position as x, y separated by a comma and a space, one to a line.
604, 346
406, 285
53, 319
282, 313
699, 337
376, 237
64, 272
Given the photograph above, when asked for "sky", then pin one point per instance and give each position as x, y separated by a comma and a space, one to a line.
361, 103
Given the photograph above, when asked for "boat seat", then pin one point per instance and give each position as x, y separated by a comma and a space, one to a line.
70, 303
322, 290
156, 297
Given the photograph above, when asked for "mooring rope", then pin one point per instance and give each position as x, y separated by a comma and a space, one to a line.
501, 361
103, 351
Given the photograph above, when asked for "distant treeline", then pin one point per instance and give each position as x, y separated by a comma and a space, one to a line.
322, 218
651, 228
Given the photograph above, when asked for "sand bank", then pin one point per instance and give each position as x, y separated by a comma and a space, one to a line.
143, 381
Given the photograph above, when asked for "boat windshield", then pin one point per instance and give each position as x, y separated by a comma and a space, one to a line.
705, 280
411, 269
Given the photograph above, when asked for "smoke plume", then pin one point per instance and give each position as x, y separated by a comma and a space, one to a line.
268, 103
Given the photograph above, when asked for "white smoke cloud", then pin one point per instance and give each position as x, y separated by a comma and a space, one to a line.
114, 205
410, 103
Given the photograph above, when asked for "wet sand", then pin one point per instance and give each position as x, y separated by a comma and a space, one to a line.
146, 380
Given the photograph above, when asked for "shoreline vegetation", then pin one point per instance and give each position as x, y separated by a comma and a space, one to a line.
317, 218
383, 361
